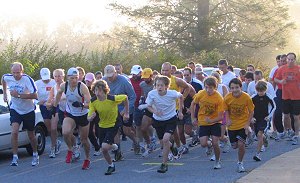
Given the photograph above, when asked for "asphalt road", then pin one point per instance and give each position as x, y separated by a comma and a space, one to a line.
192, 167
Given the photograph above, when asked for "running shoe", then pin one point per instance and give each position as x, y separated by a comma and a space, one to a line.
35, 160
97, 153
217, 165
170, 156
163, 168
240, 167
295, 140
14, 161
76, 152
146, 153
110, 170
226, 147
263, 149
195, 141
213, 158
257, 157
69, 157
86, 164
52, 153
57, 147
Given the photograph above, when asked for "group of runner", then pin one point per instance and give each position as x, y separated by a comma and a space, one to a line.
216, 111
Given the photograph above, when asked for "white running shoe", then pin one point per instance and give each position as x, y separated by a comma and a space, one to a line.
57, 147
14, 161
295, 140
213, 158
240, 167
97, 153
217, 165
76, 152
35, 160
52, 153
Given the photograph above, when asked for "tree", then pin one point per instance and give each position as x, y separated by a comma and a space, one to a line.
191, 26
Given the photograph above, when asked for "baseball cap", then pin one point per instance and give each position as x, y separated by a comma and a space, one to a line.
109, 71
147, 72
73, 72
136, 69
45, 73
89, 77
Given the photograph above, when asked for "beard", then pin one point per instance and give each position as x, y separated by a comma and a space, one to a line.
137, 77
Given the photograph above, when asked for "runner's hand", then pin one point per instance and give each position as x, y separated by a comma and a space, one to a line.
91, 117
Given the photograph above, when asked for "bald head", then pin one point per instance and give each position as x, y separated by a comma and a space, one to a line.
17, 70
166, 69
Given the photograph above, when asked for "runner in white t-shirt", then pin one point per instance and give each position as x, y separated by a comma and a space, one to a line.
258, 75
44, 86
22, 91
162, 103
227, 75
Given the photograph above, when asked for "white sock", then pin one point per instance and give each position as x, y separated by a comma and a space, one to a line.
35, 154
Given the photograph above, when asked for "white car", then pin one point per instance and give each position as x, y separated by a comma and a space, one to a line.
209, 70
23, 140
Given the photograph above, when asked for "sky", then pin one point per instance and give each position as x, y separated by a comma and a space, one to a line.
56, 11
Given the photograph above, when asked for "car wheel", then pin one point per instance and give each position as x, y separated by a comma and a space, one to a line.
41, 141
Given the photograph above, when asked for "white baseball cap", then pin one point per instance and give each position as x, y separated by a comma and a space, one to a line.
136, 69
73, 72
45, 74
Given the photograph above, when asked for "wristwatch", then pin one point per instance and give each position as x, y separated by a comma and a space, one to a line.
19, 96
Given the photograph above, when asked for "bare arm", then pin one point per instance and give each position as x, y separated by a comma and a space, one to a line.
59, 94
86, 94
180, 115
183, 85
126, 109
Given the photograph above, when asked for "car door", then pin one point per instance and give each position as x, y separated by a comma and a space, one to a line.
5, 127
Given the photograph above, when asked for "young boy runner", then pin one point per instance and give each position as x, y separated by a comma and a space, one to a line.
210, 116
239, 112
107, 107
263, 103
162, 102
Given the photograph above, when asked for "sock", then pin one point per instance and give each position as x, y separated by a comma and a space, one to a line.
111, 165
35, 154
15, 155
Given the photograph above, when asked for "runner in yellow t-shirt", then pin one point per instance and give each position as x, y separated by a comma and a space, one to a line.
210, 117
107, 108
239, 112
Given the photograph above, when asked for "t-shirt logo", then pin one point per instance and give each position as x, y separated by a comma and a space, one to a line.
209, 108
48, 88
236, 109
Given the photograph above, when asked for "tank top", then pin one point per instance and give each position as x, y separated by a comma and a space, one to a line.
173, 85
73, 96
